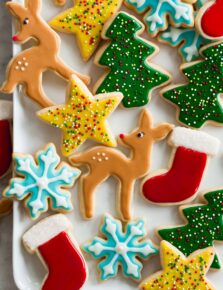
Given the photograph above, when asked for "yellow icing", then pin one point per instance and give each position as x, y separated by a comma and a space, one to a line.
180, 272
86, 19
83, 117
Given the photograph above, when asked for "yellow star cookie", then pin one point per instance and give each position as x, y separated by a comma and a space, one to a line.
83, 117
86, 19
180, 272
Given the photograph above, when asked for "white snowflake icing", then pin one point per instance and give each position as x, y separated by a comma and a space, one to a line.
121, 248
42, 181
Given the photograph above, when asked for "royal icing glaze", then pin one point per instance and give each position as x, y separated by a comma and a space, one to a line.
179, 13
204, 226
65, 263
182, 181
180, 272
43, 179
119, 247
105, 162
198, 101
86, 19
82, 117
126, 56
209, 20
188, 40
27, 67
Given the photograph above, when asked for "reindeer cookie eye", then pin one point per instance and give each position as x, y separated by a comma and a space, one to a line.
26, 21
140, 134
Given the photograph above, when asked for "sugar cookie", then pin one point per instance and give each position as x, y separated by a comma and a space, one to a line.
198, 101
181, 182
204, 223
180, 272
51, 240
83, 116
105, 162
161, 12
44, 179
28, 66
86, 19
127, 58
121, 247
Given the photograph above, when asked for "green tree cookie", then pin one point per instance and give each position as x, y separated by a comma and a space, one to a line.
205, 225
126, 57
198, 101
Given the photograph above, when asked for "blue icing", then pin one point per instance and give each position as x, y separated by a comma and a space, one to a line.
121, 248
180, 13
42, 180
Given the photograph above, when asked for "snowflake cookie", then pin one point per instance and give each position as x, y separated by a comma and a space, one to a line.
44, 178
178, 13
121, 248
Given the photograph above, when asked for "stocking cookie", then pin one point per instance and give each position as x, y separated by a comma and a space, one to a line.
125, 248
209, 20
82, 117
6, 109
177, 12
51, 240
189, 159
86, 20
180, 272
44, 179
28, 66
127, 57
105, 162
197, 102
204, 226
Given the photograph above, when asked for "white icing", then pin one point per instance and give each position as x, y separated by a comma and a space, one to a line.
45, 230
195, 140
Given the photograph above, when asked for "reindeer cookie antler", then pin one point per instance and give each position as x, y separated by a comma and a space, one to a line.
104, 162
27, 67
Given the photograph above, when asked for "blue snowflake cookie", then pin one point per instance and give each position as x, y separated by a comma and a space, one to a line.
179, 13
121, 248
44, 179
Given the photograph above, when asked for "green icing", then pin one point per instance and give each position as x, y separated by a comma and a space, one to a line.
125, 57
205, 225
198, 101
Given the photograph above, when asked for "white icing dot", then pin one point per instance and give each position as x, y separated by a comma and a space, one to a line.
22, 68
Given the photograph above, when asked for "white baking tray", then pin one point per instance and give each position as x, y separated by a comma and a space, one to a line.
31, 134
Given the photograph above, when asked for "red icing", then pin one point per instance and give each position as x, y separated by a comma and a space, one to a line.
5, 146
212, 20
181, 181
15, 38
67, 269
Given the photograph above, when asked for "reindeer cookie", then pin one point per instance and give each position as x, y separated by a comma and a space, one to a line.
27, 67
104, 162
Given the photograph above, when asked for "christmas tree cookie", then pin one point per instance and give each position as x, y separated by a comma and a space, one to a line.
82, 117
204, 226
198, 101
126, 57
86, 20
121, 248
43, 179
180, 272
177, 12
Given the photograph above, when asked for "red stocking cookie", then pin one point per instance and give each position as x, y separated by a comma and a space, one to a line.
181, 182
27, 67
5, 137
51, 240
209, 20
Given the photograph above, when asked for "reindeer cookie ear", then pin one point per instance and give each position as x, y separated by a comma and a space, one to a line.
33, 5
146, 120
15, 8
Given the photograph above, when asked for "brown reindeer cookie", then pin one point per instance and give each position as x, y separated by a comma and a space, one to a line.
5, 206
28, 66
105, 162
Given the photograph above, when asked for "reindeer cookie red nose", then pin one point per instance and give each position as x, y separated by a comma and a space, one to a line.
15, 38
121, 136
